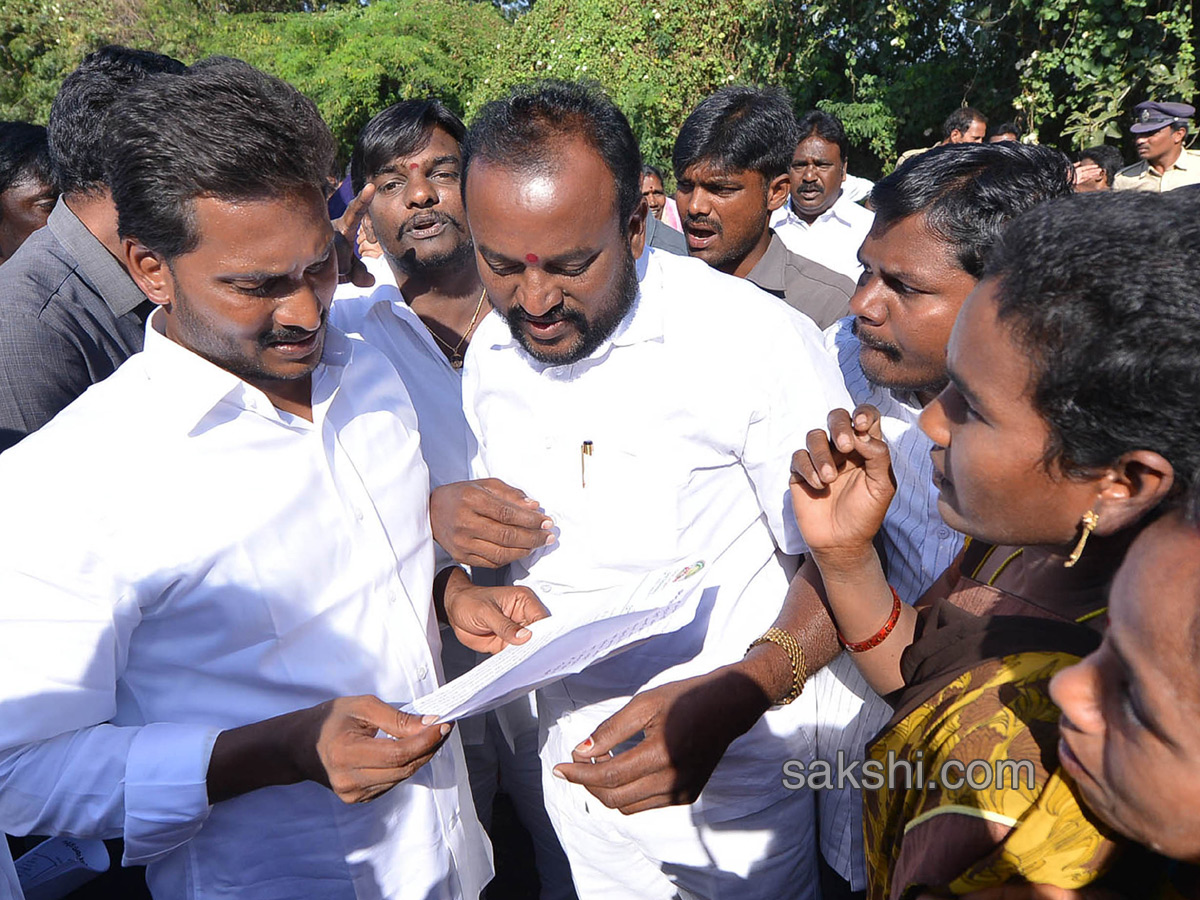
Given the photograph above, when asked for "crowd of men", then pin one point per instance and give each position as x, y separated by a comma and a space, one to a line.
263, 489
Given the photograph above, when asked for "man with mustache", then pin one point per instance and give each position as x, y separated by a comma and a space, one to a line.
935, 219
731, 170
406, 167
201, 658
650, 403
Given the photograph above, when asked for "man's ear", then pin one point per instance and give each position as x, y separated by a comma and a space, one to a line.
149, 272
778, 191
637, 229
1140, 481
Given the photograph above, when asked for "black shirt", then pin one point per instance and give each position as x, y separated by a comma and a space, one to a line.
69, 315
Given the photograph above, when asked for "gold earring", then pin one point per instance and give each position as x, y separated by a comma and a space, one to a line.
1090, 520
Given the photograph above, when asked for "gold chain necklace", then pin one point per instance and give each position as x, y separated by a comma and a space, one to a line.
456, 357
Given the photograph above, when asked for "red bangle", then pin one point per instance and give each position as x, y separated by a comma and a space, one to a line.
878, 637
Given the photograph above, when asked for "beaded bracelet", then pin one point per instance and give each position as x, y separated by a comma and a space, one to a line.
878, 637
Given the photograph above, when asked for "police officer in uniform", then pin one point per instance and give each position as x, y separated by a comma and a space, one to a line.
1164, 164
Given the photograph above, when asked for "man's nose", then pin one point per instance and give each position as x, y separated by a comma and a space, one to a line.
301, 310
539, 292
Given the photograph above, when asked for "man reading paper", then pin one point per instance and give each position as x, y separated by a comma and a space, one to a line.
651, 405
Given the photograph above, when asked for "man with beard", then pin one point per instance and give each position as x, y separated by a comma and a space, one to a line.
935, 220
681, 391
731, 170
406, 167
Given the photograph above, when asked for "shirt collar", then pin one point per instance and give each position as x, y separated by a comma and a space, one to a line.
198, 389
829, 215
768, 273
95, 265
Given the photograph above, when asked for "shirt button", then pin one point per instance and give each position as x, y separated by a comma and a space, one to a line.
422, 672
358, 514
392, 596
943, 533
545, 588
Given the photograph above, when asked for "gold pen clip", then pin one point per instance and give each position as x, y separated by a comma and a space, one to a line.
584, 452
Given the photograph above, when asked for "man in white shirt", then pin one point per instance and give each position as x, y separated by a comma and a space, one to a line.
406, 168
198, 659
935, 221
817, 221
690, 388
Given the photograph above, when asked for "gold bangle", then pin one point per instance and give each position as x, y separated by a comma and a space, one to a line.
795, 655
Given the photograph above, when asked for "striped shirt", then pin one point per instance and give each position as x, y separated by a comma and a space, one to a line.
918, 546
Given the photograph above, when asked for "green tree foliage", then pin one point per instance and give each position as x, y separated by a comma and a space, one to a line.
657, 59
1068, 70
355, 60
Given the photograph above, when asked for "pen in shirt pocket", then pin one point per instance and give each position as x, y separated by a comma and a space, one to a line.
585, 451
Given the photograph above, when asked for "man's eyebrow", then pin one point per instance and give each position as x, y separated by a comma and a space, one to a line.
567, 256
443, 160
963, 388
265, 275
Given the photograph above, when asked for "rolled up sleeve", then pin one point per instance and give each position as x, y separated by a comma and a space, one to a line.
166, 794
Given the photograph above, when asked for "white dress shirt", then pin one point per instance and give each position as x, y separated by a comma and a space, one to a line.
832, 240
385, 321
693, 406
254, 564
918, 547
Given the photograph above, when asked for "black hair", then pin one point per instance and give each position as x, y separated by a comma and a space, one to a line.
402, 129
522, 131
648, 169
81, 107
24, 154
960, 120
1007, 128
1101, 291
223, 130
826, 126
1106, 157
738, 127
969, 192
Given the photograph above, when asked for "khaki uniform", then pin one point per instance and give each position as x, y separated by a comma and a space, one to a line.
909, 154
1141, 177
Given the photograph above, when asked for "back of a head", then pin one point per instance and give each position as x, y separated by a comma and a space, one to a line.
739, 128
826, 126
1008, 128
960, 120
1106, 157
24, 154
81, 107
522, 131
1101, 289
402, 129
223, 130
969, 192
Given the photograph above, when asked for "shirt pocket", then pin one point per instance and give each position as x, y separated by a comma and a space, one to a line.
629, 503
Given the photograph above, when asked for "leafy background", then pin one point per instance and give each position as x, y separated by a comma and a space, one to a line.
1069, 71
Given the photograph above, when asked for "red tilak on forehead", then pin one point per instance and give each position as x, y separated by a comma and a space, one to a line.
531, 257
413, 166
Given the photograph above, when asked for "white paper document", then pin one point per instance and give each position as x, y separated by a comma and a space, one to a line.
570, 640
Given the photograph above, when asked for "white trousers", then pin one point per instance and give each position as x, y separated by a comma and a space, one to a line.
746, 838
